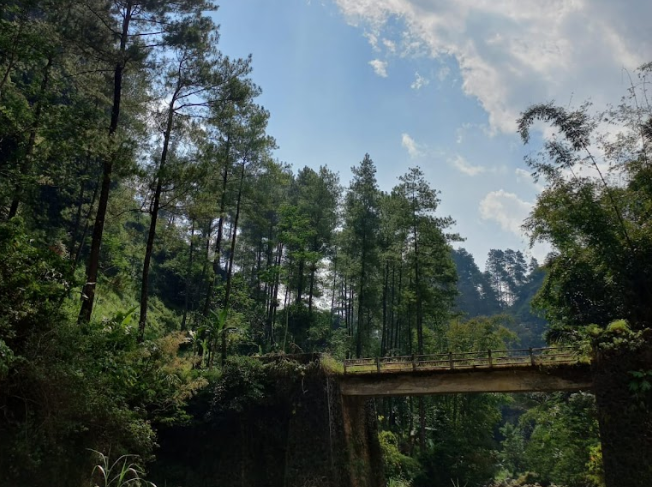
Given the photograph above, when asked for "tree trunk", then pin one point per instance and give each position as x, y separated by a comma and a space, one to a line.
90, 285
220, 231
156, 205
300, 281
186, 301
257, 269
358, 345
417, 285
269, 288
392, 322
345, 307
422, 424
229, 276
313, 269
287, 317
277, 283
334, 283
385, 332
82, 241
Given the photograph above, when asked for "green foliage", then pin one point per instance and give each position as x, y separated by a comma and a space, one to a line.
507, 287
560, 436
6, 359
247, 257
600, 269
241, 384
476, 295
512, 452
595, 469
618, 327
33, 281
640, 386
360, 233
398, 466
65, 388
480, 333
462, 445
330, 364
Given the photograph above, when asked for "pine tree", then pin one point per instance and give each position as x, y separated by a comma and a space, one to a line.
361, 227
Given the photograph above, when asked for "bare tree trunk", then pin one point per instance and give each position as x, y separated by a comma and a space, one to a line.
220, 231
392, 322
311, 289
186, 303
422, 424
88, 291
300, 281
334, 283
82, 241
385, 331
358, 343
154, 211
277, 282
229, 276
345, 306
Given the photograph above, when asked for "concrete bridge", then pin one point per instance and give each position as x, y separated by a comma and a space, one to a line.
530, 370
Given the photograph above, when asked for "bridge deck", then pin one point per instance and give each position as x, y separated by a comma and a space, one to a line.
544, 369
487, 359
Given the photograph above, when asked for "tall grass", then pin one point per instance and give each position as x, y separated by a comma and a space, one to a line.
123, 472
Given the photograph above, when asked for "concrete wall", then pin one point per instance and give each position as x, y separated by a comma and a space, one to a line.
301, 433
625, 417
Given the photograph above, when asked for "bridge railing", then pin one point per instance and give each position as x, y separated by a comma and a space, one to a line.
530, 357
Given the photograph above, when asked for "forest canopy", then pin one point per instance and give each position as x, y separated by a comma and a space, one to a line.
149, 238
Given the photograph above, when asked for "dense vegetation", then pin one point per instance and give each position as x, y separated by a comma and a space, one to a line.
149, 238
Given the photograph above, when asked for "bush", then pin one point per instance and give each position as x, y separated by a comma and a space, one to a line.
399, 468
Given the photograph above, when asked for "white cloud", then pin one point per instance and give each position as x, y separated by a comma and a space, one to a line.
464, 166
380, 67
507, 209
467, 127
389, 45
413, 149
373, 40
512, 53
523, 176
443, 73
419, 82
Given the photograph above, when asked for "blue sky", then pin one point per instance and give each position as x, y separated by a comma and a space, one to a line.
433, 83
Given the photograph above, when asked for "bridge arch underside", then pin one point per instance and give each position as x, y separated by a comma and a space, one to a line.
508, 379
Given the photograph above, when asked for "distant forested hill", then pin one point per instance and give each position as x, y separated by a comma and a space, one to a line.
506, 287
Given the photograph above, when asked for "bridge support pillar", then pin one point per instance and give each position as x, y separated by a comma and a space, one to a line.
625, 418
365, 460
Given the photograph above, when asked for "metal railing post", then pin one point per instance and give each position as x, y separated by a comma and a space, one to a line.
450, 360
345, 367
378, 364
531, 357
414, 362
491, 361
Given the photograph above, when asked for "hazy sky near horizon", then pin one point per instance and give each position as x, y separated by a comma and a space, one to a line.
437, 84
